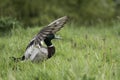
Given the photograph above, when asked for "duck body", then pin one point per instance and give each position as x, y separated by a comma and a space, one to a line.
38, 53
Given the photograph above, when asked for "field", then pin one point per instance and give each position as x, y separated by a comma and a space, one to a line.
84, 53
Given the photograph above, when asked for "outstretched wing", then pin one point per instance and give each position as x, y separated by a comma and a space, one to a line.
52, 28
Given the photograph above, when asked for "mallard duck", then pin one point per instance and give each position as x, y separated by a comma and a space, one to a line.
35, 51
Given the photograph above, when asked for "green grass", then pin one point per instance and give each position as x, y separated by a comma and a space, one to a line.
85, 53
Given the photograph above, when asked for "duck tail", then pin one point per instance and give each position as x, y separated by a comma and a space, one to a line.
18, 59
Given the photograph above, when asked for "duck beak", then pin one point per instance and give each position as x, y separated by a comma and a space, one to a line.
57, 37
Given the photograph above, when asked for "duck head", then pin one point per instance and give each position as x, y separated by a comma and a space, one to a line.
50, 37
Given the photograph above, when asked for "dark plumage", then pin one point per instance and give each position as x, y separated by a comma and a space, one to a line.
35, 51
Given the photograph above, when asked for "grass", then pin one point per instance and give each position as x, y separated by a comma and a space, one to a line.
85, 53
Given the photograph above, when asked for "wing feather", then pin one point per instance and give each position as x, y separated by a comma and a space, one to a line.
51, 28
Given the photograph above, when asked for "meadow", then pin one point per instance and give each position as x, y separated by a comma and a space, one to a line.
84, 53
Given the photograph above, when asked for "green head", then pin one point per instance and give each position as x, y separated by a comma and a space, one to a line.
49, 38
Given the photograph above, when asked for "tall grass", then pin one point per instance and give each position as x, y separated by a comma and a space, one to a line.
85, 53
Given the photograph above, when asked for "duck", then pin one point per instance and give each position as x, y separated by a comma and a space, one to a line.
35, 50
